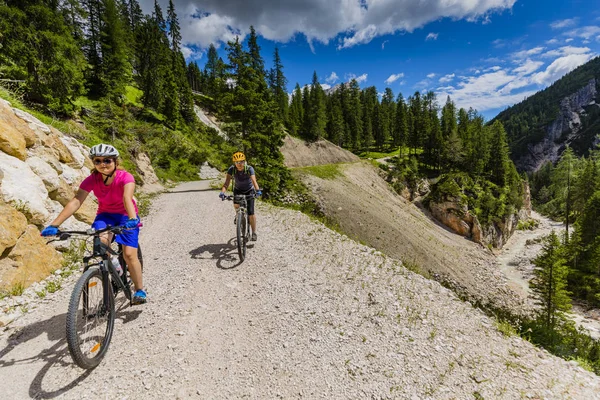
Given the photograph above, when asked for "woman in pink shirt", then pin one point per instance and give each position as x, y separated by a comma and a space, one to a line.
116, 207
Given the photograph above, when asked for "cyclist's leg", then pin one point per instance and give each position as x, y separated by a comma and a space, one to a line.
102, 221
135, 267
251, 215
129, 239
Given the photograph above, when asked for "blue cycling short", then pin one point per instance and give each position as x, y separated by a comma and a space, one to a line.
129, 237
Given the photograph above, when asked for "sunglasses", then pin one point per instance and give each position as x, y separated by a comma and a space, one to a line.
239, 162
98, 161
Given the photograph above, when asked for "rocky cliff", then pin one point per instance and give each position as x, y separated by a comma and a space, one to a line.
40, 170
564, 130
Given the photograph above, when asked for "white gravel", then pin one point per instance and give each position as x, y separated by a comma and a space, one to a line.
309, 314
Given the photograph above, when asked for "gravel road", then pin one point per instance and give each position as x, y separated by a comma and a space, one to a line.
309, 314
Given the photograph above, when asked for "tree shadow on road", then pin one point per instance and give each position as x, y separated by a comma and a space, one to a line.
57, 360
225, 254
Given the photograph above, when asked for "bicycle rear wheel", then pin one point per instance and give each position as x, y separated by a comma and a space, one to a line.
241, 235
90, 319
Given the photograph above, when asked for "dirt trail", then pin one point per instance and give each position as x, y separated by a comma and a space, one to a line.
515, 261
309, 314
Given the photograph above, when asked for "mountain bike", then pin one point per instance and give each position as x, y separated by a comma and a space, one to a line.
91, 312
241, 221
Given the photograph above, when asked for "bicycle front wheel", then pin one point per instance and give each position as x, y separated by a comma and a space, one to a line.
90, 319
241, 235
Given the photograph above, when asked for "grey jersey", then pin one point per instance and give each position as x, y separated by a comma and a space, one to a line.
242, 178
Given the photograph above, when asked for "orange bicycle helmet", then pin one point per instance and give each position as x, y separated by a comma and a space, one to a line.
238, 156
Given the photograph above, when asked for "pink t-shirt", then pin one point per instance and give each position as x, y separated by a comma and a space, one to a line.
110, 198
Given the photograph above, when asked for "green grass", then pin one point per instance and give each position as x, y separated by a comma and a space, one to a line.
378, 154
133, 96
329, 171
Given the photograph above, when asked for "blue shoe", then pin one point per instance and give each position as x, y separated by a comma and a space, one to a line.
139, 297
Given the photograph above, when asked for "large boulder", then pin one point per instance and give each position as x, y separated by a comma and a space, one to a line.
34, 259
47, 155
52, 141
12, 226
44, 171
12, 141
74, 176
150, 183
65, 192
76, 152
7, 114
22, 187
37, 126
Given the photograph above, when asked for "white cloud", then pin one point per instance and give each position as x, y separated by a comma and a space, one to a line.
552, 41
564, 23
565, 51
446, 78
360, 79
432, 36
362, 36
527, 53
325, 86
528, 67
383, 44
333, 78
569, 40
212, 21
493, 69
504, 87
393, 78
430, 76
190, 53
560, 67
586, 32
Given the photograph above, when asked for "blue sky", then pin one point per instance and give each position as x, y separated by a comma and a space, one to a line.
485, 54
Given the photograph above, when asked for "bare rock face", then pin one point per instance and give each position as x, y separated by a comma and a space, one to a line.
12, 226
150, 183
45, 171
458, 218
562, 131
298, 153
8, 116
22, 187
33, 258
12, 141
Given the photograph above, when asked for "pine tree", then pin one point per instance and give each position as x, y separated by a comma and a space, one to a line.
296, 114
278, 85
36, 46
253, 119
336, 126
353, 114
370, 103
401, 124
498, 165
388, 109
448, 123
150, 73
92, 46
116, 68
416, 128
550, 284
563, 177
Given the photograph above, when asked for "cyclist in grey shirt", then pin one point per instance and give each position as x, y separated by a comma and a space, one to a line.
244, 182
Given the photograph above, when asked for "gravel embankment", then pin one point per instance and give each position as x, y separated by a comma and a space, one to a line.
309, 314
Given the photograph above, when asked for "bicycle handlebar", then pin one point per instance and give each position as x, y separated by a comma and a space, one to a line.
64, 235
239, 196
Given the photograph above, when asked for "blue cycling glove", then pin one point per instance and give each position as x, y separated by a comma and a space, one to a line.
259, 193
222, 196
50, 231
132, 223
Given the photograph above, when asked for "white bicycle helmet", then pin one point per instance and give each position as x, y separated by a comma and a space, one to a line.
103, 150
